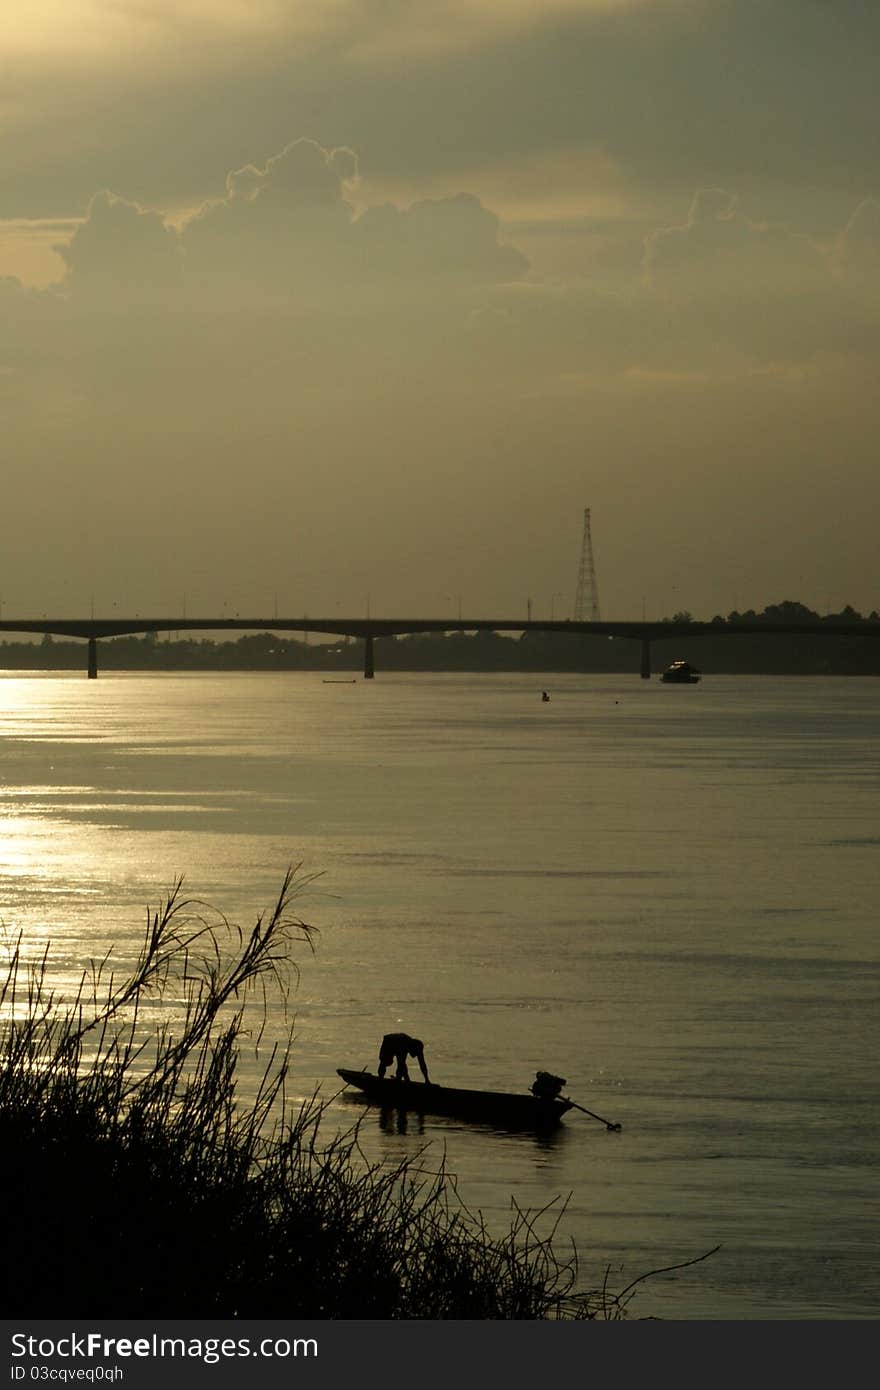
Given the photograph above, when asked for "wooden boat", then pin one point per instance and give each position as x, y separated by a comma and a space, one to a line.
680, 673
506, 1108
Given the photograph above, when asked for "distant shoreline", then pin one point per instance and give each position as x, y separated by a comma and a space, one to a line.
544, 653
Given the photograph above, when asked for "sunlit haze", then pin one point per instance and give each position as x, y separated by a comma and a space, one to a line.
312, 306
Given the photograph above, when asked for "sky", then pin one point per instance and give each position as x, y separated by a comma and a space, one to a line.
309, 305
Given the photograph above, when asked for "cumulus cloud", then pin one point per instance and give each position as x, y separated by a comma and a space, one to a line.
303, 174
286, 233
433, 286
281, 225
454, 238
712, 223
121, 250
723, 260
720, 251
289, 225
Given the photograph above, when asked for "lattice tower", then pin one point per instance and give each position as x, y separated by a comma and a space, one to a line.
586, 602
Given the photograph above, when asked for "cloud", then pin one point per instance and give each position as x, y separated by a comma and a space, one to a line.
332, 336
285, 235
121, 249
673, 92
281, 224
711, 223
362, 289
288, 225
448, 238
399, 352
720, 252
304, 175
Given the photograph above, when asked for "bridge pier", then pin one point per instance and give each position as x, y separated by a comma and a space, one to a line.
646, 659
93, 658
369, 667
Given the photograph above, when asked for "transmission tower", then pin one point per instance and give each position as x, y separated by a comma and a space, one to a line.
586, 602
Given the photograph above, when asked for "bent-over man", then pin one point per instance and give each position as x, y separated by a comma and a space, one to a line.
396, 1047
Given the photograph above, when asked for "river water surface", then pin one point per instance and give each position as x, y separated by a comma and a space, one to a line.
667, 895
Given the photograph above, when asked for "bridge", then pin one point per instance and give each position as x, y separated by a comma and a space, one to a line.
91, 630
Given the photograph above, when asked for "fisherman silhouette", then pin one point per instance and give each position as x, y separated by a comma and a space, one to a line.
396, 1047
545, 697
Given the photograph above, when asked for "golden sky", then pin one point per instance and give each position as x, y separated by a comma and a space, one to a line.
332, 297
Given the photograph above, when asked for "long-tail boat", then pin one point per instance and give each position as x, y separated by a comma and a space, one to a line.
507, 1108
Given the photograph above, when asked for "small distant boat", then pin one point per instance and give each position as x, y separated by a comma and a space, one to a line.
505, 1108
680, 673
338, 682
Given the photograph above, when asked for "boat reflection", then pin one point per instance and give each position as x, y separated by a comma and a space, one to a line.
392, 1120
396, 1121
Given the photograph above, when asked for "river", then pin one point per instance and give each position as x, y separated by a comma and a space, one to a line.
667, 895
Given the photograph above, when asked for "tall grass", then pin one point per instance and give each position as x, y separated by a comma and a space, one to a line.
135, 1184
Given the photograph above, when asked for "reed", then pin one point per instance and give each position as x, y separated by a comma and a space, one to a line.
137, 1185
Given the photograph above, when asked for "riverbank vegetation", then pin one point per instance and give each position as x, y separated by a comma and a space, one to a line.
137, 1185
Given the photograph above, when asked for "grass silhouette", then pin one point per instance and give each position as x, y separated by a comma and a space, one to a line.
136, 1184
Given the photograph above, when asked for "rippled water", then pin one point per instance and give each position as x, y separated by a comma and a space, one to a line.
666, 895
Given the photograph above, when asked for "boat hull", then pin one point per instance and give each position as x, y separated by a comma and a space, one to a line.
485, 1107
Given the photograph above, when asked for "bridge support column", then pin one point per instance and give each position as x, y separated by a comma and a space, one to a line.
646, 659
93, 658
369, 667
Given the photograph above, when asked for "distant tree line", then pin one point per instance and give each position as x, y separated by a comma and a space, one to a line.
786, 612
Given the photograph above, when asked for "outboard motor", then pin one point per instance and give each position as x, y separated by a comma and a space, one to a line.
546, 1086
